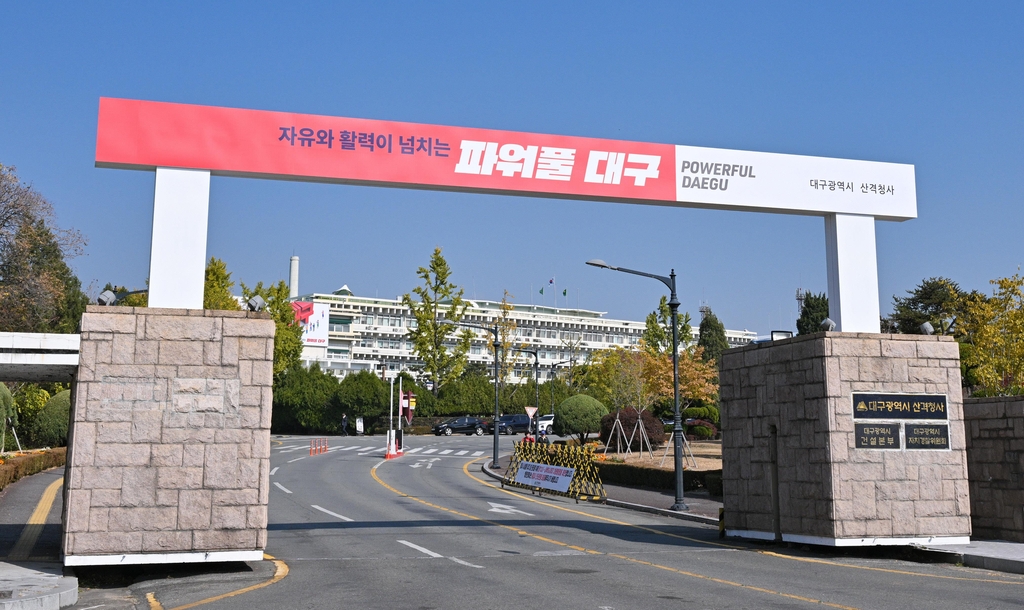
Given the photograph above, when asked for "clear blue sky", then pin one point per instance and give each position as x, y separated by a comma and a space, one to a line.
936, 85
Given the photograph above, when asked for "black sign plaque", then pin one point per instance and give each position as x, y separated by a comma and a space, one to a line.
927, 436
899, 406
877, 436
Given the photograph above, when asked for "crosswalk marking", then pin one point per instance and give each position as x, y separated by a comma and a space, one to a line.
429, 451
351, 448
461, 452
477, 453
415, 450
446, 452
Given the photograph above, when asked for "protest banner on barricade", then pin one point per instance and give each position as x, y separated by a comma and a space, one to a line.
555, 469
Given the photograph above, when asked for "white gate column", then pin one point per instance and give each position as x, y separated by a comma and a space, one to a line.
177, 260
852, 273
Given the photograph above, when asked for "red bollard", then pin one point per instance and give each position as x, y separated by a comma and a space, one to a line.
310, 446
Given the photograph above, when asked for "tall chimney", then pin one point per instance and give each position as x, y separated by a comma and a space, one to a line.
293, 278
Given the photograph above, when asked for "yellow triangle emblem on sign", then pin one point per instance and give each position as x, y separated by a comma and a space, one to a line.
861, 406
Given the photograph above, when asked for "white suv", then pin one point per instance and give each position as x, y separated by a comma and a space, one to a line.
544, 423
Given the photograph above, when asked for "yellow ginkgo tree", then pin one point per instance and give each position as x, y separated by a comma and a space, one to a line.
993, 330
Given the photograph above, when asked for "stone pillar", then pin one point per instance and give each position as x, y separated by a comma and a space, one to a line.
169, 445
995, 466
792, 469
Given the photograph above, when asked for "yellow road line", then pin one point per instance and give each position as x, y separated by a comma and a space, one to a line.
27, 541
731, 583
279, 573
373, 473
465, 469
887, 570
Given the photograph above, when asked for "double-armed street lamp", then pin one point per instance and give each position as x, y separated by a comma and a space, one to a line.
677, 430
497, 346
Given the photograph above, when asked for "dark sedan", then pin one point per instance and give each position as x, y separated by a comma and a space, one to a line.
513, 424
464, 425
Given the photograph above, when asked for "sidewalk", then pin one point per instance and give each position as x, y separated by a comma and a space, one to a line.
995, 555
31, 574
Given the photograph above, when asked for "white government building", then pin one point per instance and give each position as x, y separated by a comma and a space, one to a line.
369, 334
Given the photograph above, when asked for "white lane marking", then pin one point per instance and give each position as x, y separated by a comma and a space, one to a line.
415, 450
297, 459
461, 452
506, 509
477, 453
420, 549
446, 452
465, 563
272, 472
282, 488
425, 462
430, 451
371, 451
324, 510
351, 448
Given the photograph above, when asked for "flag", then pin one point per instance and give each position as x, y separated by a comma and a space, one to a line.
565, 291
551, 281
542, 291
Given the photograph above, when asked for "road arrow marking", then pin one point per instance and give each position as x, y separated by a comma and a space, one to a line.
506, 509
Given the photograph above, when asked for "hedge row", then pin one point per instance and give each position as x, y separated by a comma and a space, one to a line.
638, 476
24, 465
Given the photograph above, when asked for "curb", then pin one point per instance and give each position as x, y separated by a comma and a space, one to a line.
631, 506
34, 590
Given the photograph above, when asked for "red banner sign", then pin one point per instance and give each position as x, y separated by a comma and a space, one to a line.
136, 134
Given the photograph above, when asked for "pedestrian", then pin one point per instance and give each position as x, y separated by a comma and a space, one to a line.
344, 424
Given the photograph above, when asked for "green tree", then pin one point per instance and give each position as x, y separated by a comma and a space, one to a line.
993, 329
434, 340
8, 414
38, 291
301, 400
934, 300
217, 287
657, 336
813, 312
470, 394
578, 416
49, 427
363, 395
712, 337
288, 337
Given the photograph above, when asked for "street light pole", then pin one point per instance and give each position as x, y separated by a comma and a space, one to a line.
497, 347
677, 430
536, 377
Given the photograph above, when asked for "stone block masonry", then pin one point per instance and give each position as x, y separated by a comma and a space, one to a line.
169, 444
792, 469
995, 464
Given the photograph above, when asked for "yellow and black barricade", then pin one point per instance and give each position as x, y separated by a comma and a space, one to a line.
586, 481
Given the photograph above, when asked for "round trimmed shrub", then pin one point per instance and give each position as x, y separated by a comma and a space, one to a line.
578, 416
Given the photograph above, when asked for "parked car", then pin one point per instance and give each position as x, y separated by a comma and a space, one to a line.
464, 425
514, 424
544, 423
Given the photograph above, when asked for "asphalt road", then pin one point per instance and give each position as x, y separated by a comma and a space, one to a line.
429, 531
